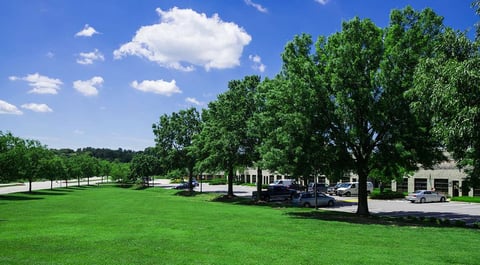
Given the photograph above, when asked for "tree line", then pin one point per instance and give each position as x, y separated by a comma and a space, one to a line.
376, 102
28, 160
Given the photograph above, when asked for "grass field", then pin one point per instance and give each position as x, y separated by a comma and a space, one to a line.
110, 225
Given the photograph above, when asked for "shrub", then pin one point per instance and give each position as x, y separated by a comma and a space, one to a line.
219, 181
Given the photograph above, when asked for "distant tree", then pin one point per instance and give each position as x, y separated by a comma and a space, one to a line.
143, 167
120, 171
295, 140
174, 136
9, 162
224, 143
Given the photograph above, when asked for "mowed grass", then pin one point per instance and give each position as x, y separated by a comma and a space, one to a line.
110, 225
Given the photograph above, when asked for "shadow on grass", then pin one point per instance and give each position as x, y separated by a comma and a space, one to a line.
352, 218
18, 197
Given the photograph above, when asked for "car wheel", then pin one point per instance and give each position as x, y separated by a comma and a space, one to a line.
331, 203
347, 194
442, 199
422, 200
306, 205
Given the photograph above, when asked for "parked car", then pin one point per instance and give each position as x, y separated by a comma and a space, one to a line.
307, 199
332, 189
321, 187
351, 188
289, 183
422, 196
275, 193
183, 186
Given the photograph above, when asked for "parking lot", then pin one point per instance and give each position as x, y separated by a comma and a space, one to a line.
468, 212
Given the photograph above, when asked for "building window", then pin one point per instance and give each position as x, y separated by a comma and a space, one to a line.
441, 185
272, 179
254, 178
420, 184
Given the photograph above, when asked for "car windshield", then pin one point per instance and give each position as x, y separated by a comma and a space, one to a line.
418, 191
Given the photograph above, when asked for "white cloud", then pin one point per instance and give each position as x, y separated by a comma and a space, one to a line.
194, 101
88, 87
40, 84
7, 108
259, 7
89, 57
78, 132
50, 55
157, 86
257, 63
322, 2
185, 38
87, 31
37, 107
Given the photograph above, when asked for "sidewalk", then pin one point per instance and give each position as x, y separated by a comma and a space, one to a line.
43, 185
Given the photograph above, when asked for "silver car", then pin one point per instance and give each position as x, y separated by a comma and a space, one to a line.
307, 199
422, 196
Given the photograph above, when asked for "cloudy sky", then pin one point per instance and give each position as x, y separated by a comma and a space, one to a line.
99, 73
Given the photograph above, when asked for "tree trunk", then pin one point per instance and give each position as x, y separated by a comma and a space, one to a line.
51, 184
362, 208
190, 180
78, 181
29, 185
66, 183
259, 183
230, 182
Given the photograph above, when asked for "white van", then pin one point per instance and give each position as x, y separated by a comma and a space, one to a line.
284, 182
351, 188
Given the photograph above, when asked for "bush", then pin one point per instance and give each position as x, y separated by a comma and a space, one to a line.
219, 181
387, 195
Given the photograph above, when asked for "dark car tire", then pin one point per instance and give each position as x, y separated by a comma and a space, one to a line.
443, 199
347, 194
422, 200
306, 205
331, 203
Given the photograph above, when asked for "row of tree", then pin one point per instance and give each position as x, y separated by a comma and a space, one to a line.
29, 160
376, 102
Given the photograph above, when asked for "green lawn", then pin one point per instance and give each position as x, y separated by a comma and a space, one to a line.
109, 225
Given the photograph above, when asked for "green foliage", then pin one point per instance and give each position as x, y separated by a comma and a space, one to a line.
447, 87
466, 199
174, 136
217, 181
142, 167
224, 142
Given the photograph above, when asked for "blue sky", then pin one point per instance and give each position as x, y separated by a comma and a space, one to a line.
99, 73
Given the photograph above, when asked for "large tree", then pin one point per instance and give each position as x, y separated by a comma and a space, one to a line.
368, 74
448, 87
174, 136
224, 143
360, 76
290, 119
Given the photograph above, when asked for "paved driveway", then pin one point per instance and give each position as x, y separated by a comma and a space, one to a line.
468, 212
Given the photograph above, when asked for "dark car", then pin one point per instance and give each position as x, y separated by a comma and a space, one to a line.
321, 187
183, 186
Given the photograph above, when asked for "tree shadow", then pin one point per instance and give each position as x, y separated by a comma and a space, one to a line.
18, 197
382, 219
